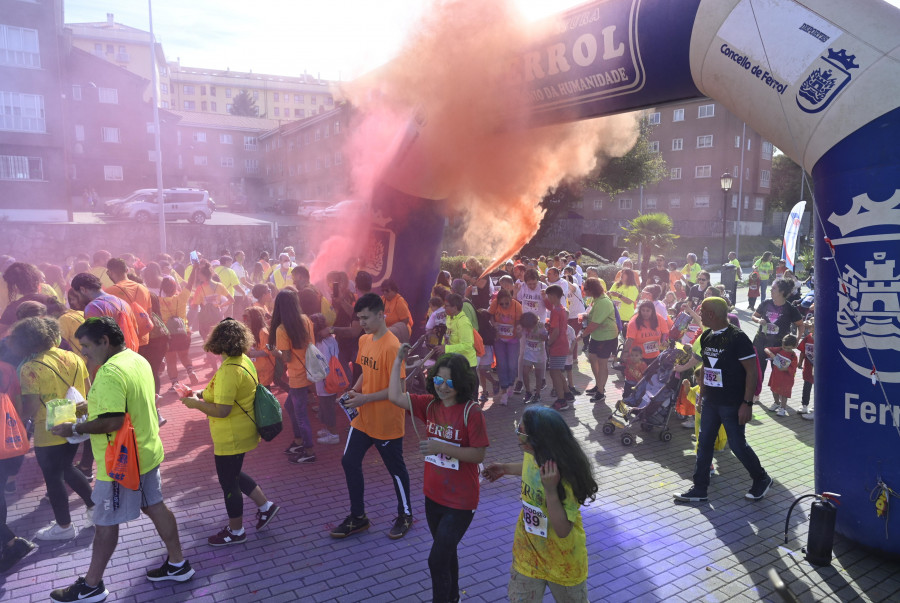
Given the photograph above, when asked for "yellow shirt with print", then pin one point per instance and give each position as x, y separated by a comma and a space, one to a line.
690, 272
124, 384
560, 560
69, 321
233, 386
37, 377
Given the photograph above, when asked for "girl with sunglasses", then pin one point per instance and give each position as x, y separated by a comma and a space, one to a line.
455, 445
549, 547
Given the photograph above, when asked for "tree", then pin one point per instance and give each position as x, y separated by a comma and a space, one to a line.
244, 104
653, 232
785, 185
640, 166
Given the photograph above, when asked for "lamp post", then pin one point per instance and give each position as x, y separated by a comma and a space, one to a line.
725, 180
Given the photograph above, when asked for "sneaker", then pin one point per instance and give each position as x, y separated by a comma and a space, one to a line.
54, 532
518, 388
193, 378
570, 397
89, 517
226, 537
598, 398
529, 398
294, 448
161, 420
808, 416
574, 391
351, 525
692, 495
303, 457
168, 571
774, 407
322, 432
10, 487
561, 404
80, 592
329, 438
781, 412
264, 517
712, 470
543, 384
504, 399
759, 488
591, 390
401, 526
803, 410
12, 554
688, 423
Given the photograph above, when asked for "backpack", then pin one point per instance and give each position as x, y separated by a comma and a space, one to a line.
338, 379
266, 411
175, 325
316, 366
478, 343
160, 330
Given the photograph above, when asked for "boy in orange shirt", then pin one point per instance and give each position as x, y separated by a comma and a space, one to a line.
379, 423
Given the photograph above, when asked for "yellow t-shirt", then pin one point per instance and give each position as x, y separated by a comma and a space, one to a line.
233, 386
37, 377
626, 311
540, 553
100, 272
228, 278
380, 419
175, 305
124, 384
69, 322
690, 272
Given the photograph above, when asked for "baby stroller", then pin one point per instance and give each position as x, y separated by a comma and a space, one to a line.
651, 402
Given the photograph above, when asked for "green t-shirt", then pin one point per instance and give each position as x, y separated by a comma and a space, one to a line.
765, 269
603, 313
690, 272
125, 384
228, 278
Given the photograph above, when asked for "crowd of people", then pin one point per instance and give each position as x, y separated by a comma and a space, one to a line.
114, 334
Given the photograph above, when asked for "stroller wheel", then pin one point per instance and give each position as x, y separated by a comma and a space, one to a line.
627, 439
665, 436
609, 428
646, 427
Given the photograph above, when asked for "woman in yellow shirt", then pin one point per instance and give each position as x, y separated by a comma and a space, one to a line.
173, 312
624, 293
228, 402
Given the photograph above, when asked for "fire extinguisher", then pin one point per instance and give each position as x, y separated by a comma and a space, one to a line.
822, 516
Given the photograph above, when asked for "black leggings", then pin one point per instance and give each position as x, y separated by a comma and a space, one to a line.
447, 528
56, 465
8, 469
233, 482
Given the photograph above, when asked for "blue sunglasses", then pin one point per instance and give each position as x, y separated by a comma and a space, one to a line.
438, 381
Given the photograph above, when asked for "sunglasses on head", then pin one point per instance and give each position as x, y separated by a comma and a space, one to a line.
438, 381
523, 437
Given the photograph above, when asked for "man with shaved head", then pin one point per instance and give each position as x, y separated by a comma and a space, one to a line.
730, 374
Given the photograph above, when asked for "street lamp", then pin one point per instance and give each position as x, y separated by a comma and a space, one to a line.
725, 180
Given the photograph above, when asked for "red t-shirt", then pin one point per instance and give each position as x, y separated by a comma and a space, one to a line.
782, 382
807, 355
449, 481
559, 319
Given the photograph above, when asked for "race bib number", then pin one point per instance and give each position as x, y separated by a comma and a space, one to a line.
781, 362
442, 460
651, 347
529, 305
535, 521
504, 330
771, 329
810, 350
712, 377
534, 346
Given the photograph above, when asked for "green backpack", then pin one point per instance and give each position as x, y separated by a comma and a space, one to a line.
267, 411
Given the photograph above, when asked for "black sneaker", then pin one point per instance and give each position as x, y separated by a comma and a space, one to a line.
226, 537
264, 517
303, 457
351, 525
12, 554
598, 398
401, 526
80, 592
168, 571
570, 397
518, 388
759, 489
575, 392
692, 495
294, 449
591, 390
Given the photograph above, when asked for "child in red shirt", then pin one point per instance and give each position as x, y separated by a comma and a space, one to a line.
753, 292
557, 345
784, 368
807, 354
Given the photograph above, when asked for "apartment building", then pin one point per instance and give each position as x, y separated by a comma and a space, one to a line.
32, 136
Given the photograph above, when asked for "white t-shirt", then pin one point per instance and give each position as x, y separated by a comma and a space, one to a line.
533, 347
570, 335
533, 300
241, 274
438, 317
574, 300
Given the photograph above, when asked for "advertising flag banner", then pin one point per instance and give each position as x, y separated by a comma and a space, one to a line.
791, 232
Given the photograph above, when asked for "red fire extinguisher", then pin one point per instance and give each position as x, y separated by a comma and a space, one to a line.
822, 516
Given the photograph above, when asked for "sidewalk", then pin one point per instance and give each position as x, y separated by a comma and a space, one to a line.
642, 546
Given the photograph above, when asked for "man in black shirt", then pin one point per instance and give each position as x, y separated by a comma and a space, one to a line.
729, 382
658, 275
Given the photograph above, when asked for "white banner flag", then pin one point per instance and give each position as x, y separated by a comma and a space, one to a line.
791, 232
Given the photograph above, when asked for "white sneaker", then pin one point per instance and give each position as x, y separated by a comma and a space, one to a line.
781, 412
331, 438
54, 532
322, 432
688, 423
774, 407
89, 517
803, 410
809, 416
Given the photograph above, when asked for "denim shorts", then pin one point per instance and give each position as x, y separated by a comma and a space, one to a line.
108, 513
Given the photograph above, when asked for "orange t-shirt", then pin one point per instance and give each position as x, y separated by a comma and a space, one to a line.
130, 292
265, 365
380, 419
506, 319
296, 357
647, 338
396, 311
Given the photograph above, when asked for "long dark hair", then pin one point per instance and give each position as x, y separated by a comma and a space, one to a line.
286, 311
256, 320
464, 380
551, 439
654, 321
626, 278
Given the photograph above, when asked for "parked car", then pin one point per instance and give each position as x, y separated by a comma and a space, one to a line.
309, 207
112, 206
191, 204
280, 206
349, 209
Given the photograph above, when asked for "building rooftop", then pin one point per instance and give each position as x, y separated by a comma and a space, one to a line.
225, 122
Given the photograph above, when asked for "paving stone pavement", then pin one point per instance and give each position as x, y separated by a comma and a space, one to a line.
642, 546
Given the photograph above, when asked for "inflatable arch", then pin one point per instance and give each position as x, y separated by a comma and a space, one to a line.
821, 80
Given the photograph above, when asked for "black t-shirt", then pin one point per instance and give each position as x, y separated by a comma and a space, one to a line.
782, 317
658, 276
481, 296
695, 295
724, 377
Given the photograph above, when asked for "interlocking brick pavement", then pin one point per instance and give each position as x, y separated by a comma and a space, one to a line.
642, 546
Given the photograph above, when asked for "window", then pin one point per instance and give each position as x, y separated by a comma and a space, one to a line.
675, 202
227, 162
747, 174
275, 96
329, 100
164, 88
734, 201
298, 112
98, 50
202, 90
228, 107
76, 92
675, 174
678, 115
737, 143
318, 134
706, 111
225, 139
199, 136
227, 92
746, 201
705, 142
653, 119
650, 203
112, 172
677, 144
337, 128
277, 112
312, 99
764, 178
251, 166
110, 49
598, 204
213, 106
256, 94
701, 201
18, 167
298, 98
654, 146
318, 164
624, 203
22, 112
758, 203
249, 143
212, 90
736, 172
203, 105
164, 104
109, 134
189, 90
79, 133
200, 160
180, 162
748, 143
109, 96
766, 149
190, 105
703, 171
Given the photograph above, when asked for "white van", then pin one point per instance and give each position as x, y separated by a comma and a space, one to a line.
191, 204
